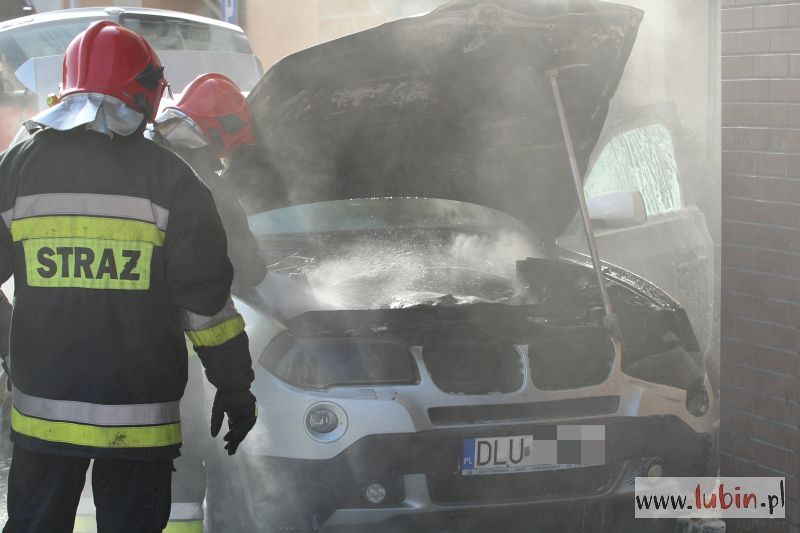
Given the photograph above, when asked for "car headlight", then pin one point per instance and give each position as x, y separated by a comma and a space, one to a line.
320, 363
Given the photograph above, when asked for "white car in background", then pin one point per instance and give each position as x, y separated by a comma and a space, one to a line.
31, 55
32, 48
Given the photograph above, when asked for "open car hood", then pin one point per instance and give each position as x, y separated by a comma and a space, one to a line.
455, 104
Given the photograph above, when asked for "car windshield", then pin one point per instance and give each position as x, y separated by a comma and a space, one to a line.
47, 39
23, 43
187, 48
394, 252
177, 34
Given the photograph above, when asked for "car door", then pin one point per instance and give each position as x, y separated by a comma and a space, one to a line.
674, 248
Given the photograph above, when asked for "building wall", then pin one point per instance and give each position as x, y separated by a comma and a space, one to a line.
281, 27
761, 246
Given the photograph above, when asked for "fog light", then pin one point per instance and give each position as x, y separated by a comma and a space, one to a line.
375, 493
322, 420
644, 467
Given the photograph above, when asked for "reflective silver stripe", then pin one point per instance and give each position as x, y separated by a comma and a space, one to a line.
195, 322
185, 511
101, 205
7, 217
177, 511
143, 414
86, 507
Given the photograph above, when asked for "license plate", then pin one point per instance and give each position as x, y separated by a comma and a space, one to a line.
525, 453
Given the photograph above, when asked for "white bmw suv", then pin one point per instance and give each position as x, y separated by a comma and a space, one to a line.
424, 347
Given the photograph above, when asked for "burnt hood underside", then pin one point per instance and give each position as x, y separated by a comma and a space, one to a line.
456, 104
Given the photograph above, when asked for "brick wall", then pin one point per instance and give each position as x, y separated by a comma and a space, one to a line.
760, 371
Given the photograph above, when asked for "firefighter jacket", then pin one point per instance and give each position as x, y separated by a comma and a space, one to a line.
116, 249
248, 266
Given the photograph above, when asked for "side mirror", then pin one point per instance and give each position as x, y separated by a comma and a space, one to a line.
41, 76
26, 74
618, 209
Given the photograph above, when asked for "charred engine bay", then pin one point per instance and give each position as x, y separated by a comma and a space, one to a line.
567, 344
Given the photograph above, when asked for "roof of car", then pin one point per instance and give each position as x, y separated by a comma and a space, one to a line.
109, 13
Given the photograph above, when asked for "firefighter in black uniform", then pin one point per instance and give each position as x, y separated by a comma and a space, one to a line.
116, 250
209, 122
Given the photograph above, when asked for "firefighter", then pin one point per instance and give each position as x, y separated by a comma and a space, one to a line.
116, 249
209, 122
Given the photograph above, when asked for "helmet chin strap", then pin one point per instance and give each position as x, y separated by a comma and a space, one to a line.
216, 140
144, 105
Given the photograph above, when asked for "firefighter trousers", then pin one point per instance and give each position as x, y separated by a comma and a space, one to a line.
44, 491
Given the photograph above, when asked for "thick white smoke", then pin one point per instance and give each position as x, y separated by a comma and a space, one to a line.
396, 273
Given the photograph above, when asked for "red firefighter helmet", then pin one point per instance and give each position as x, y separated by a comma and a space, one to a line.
218, 108
109, 59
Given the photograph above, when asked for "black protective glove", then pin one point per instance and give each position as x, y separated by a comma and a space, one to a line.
240, 406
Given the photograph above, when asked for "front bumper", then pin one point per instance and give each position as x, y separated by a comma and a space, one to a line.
409, 439
420, 472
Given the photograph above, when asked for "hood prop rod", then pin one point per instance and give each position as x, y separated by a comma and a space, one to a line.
610, 319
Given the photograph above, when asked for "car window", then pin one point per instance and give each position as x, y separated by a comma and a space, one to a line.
39, 41
174, 34
640, 159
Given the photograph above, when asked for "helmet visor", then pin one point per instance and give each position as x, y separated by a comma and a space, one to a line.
151, 77
178, 129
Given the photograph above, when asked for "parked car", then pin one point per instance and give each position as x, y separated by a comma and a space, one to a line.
424, 345
31, 51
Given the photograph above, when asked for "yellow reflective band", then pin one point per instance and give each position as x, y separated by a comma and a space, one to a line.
88, 227
95, 436
85, 524
88, 263
188, 526
88, 524
219, 334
